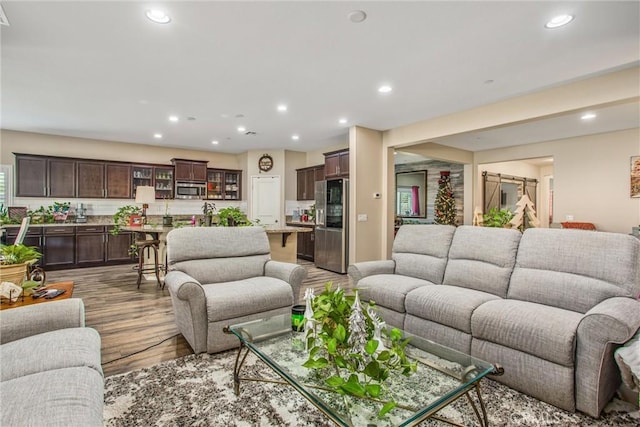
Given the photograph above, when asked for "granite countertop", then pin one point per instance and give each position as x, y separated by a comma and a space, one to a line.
303, 223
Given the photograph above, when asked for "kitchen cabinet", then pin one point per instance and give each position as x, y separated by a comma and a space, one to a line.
32, 238
224, 184
190, 170
141, 176
163, 182
90, 245
306, 243
59, 247
306, 181
44, 177
118, 246
336, 164
103, 180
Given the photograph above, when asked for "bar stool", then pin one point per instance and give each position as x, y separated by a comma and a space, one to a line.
141, 247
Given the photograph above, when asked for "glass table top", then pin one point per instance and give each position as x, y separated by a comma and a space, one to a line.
443, 374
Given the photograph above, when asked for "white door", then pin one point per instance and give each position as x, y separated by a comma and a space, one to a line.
265, 200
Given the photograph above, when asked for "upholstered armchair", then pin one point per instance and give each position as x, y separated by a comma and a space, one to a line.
219, 276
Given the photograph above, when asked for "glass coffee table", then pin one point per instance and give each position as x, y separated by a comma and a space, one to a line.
443, 376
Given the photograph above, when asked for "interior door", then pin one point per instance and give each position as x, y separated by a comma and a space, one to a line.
265, 200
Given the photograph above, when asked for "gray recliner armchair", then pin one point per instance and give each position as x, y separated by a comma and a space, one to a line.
219, 276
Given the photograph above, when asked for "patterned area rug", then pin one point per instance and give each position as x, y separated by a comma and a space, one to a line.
197, 390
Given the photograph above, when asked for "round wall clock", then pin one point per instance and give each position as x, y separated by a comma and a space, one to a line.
265, 163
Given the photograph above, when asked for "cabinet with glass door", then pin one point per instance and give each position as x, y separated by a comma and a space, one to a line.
142, 175
164, 182
223, 184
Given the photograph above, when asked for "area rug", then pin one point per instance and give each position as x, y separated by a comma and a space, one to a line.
197, 390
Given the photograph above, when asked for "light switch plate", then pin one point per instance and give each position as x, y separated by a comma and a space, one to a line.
362, 217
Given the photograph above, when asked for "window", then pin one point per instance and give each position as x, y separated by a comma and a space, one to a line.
5, 185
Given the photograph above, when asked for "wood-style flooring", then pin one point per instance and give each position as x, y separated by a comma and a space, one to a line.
130, 320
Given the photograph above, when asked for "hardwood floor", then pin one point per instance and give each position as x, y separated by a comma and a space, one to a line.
130, 320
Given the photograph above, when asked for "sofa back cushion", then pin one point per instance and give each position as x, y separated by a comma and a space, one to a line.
218, 254
574, 269
421, 251
482, 258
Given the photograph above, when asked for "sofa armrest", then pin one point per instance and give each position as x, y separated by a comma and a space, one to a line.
22, 322
183, 286
291, 273
190, 308
360, 270
601, 330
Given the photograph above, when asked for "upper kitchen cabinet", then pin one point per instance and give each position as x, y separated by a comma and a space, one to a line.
163, 182
103, 180
306, 181
336, 164
44, 177
190, 170
142, 176
224, 184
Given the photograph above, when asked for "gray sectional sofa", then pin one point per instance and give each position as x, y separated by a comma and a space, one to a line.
549, 305
50, 372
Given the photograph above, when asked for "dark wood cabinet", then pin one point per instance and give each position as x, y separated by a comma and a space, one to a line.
118, 181
336, 164
59, 247
90, 245
91, 182
306, 244
306, 181
118, 246
190, 170
141, 175
32, 238
224, 184
163, 178
44, 177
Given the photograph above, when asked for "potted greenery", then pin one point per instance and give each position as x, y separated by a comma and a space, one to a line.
497, 218
208, 209
167, 220
232, 217
351, 354
15, 260
121, 217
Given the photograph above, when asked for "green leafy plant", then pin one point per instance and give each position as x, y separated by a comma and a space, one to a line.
347, 370
232, 217
4, 216
497, 218
18, 254
41, 215
121, 217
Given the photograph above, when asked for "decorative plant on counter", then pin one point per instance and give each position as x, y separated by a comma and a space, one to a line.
208, 209
121, 217
232, 217
60, 210
41, 215
347, 349
497, 218
4, 216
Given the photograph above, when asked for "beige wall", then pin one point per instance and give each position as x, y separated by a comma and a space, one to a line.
365, 237
590, 174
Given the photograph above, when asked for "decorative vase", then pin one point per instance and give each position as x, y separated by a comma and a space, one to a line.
14, 273
167, 221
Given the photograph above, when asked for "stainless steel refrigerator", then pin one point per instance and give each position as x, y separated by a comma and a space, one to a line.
332, 225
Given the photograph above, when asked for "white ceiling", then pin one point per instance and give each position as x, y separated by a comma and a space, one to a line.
102, 70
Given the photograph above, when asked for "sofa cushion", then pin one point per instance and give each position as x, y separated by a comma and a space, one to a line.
543, 331
59, 397
389, 290
482, 258
231, 300
421, 251
574, 269
64, 348
446, 305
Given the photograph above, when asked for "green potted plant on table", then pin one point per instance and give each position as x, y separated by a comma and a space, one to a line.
15, 261
232, 217
167, 220
497, 218
122, 215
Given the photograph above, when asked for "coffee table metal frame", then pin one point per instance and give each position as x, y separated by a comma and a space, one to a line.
469, 383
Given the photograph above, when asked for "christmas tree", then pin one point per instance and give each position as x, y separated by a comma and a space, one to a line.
445, 207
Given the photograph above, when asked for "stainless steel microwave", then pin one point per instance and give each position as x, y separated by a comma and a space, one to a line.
191, 190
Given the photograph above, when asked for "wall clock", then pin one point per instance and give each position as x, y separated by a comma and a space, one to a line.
265, 163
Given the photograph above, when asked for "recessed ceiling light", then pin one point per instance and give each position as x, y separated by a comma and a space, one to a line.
588, 116
282, 108
157, 135
385, 89
295, 137
214, 142
158, 16
173, 118
559, 21
241, 128
357, 16
342, 121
